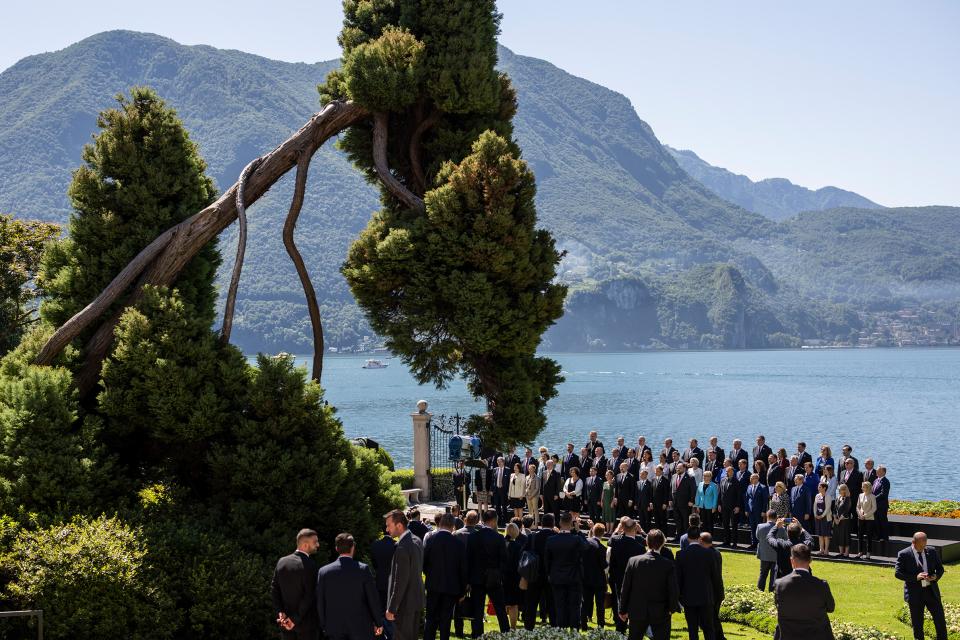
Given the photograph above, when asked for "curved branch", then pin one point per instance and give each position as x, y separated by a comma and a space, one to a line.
416, 166
241, 250
394, 186
289, 226
163, 259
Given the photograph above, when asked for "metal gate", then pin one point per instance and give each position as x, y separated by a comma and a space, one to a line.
442, 429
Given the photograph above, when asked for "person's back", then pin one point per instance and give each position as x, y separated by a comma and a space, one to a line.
381, 556
696, 575
564, 558
594, 563
486, 551
803, 601
622, 548
293, 589
445, 564
347, 602
650, 592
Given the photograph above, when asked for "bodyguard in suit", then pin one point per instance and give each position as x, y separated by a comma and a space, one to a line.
594, 578
803, 601
756, 501
293, 590
881, 491
645, 513
348, 606
461, 485
730, 503
486, 564
762, 451
706, 541
766, 554
650, 593
698, 576
381, 557
563, 557
920, 569
622, 547
471, 522
683, 490
538, 593
416, 526
445, 568
550, 489
499, 486
405, 588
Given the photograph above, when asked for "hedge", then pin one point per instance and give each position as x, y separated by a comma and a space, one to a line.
402, 477
748, 605
441, 482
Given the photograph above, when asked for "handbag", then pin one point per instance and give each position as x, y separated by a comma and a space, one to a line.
529, 567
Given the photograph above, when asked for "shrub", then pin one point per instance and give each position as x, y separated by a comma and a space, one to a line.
91, 580
926, 508
403, 477
550, 633
384, 458
441, 484
951, 612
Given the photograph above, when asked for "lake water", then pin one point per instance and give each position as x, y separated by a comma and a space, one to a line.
898, 406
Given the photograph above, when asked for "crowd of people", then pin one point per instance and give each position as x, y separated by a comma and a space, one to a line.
545, 566
834, 500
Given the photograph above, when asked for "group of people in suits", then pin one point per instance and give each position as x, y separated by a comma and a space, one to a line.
833, 500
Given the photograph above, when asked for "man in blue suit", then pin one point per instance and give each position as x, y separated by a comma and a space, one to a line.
445, 566
381, 557
801, 503
755, 502
920, 569
348, 606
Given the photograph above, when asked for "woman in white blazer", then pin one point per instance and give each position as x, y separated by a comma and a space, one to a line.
866, 508
516, 491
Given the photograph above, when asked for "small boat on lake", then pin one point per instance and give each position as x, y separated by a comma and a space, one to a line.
375, 364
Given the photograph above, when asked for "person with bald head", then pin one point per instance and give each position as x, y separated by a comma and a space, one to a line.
920, 569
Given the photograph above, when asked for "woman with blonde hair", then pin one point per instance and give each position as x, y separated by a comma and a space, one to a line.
826, 458
866, 510
842, 509
515, 491
531, 491
512, 595
780, 500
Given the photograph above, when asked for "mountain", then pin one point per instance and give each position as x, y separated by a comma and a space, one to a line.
616, 199
776, 198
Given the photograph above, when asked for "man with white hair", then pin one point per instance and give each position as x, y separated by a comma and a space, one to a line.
920, 569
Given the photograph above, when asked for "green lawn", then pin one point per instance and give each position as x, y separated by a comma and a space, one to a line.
867, 595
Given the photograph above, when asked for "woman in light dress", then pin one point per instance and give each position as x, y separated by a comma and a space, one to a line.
516, 491
866, 510
694, 471
531, 491
823, 517
646, 462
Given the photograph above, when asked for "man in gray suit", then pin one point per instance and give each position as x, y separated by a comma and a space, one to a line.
405, 597
765, 553
803, 601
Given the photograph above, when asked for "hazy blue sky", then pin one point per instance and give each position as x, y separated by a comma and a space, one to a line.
861, 94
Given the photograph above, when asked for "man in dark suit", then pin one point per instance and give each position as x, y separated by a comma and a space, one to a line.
601, 462
293, 590
405, 588
801, 503
592, 494
624, 491
461, 485
563, 557
381, 557
756, 500
593, 443
803, 456
881, 491
512, 459
538, 593
713, 445
803, 601
650, 593
920, 569
445, 568
594, 578
500, 485
762, 451
661, 498
569, 461
869, 471
550, 490
737, 453
795, 535
730, 502
714, 465
668, 449
464, 609
348, 606
854, 481
693, 451
623, 546
486, 563
586, 461
683, 490
527, 460
698, 577
416, 526
706, 541
645, 501
643, 446
671, 469
846, 453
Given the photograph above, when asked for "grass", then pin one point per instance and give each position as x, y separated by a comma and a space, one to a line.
867, 595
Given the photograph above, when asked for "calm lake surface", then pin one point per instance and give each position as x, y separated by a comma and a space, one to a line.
898, 406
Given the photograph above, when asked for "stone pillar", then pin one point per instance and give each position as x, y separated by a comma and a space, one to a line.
421, 450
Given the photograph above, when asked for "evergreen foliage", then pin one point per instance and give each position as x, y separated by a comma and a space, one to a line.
21, 247
464, 287
141, 174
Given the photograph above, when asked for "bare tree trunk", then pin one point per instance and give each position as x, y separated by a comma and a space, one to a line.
290, 225
397, 188
241, 252
161, 262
